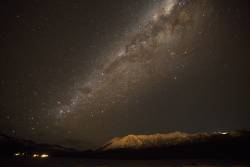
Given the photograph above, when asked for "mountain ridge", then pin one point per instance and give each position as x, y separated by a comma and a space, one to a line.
11, 145
153, 140
232, 144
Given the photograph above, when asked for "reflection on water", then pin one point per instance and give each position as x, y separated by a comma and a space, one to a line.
59, 162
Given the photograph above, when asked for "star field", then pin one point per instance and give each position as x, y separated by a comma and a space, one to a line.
77, 72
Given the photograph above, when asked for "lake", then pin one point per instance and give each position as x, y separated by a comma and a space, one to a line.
61, 162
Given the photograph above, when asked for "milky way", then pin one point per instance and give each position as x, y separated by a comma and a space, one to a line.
77, 73
149, 51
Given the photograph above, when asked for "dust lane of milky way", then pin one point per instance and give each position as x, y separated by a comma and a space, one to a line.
152, 49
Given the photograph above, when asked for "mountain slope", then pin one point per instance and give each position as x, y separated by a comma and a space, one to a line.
176, 145
152, 141
11, 145
235, 144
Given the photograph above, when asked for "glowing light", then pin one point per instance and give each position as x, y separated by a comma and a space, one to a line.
17, 154
35, 155
224, 133
44, 156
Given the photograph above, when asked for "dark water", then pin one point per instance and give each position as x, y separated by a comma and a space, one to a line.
60, 162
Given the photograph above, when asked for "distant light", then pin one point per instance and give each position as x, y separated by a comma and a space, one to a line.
35, 155
44, 156
17, 154
224, 133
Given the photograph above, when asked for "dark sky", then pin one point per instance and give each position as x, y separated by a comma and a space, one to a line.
79, 72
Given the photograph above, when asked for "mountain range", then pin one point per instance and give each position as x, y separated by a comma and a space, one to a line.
176, 145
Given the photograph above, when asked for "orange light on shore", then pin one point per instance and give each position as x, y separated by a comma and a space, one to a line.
35, 155
44, 156
17, 154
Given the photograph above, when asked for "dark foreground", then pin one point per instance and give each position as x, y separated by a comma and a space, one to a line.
219, 149
61, 162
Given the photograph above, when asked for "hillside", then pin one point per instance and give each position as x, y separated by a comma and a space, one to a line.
234, 144
176, 145
11, 146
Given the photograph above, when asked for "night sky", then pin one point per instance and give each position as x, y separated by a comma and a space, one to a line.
80, 72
